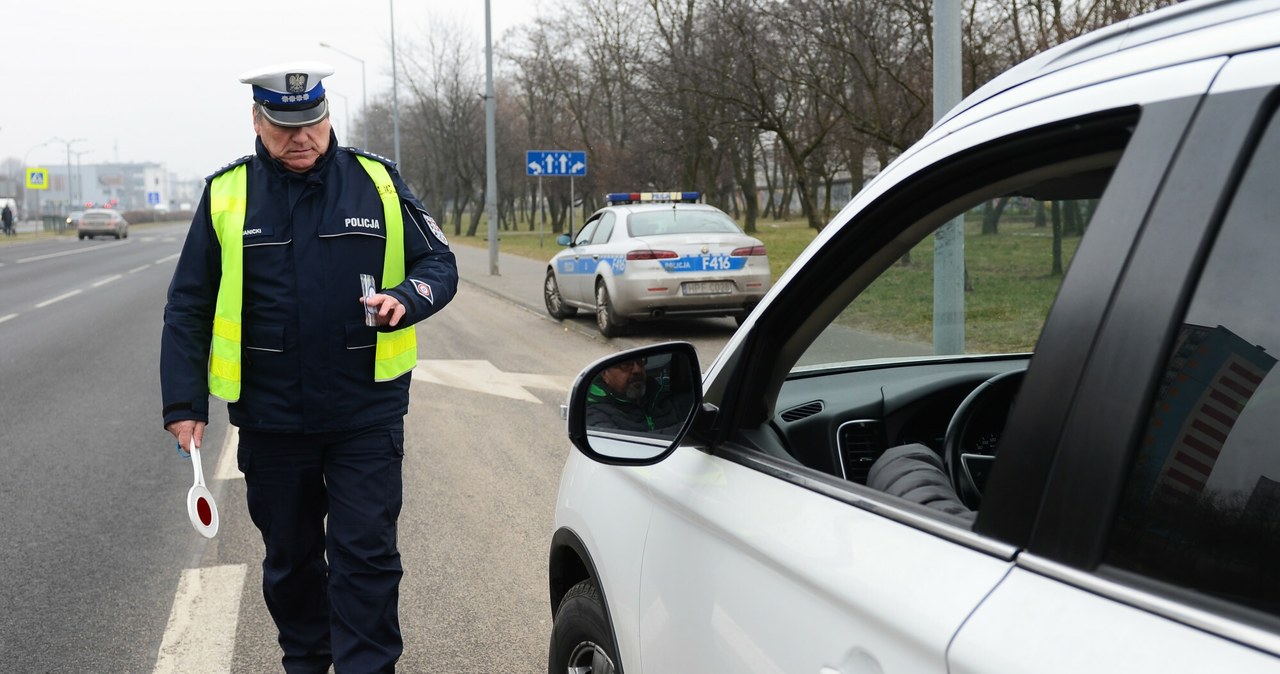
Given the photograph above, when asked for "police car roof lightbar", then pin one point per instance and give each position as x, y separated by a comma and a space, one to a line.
651, 197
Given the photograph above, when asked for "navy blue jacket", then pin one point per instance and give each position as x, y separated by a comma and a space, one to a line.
307, 355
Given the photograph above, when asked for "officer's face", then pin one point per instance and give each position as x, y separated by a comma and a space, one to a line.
298, 148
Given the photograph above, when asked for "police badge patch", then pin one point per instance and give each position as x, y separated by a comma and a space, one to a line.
296, 82
435, 229
423, 289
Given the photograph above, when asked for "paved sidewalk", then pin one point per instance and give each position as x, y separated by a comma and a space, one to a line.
519, 278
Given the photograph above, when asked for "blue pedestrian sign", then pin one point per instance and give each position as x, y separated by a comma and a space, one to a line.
153, 198
555, 163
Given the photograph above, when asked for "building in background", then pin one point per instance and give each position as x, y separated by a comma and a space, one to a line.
124, 186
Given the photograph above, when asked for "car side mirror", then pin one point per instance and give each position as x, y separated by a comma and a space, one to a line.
563, 240
633, 408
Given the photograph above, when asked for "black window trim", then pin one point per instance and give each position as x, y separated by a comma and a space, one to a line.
1074, 524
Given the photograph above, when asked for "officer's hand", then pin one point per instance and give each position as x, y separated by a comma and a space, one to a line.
389, 309
185, 430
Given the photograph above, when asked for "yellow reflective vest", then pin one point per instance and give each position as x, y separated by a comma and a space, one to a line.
396, 352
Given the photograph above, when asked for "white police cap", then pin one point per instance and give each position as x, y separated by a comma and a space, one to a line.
290, 94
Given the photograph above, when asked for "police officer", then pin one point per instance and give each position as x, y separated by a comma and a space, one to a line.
266, 310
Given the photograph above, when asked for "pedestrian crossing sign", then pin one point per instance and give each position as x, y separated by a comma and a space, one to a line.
37, 179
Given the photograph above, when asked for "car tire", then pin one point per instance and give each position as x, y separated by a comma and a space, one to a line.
581, 639
554, 300
607, 320
82, 237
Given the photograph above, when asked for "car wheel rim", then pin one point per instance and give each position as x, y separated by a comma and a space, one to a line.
552, 294
588, 658
602, 308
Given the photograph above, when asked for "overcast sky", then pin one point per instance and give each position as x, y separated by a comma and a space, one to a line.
157, 80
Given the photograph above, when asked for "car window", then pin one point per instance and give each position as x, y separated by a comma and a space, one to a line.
676, 220
1016, 248
604, 229
869, 378
584, 234
1201, 505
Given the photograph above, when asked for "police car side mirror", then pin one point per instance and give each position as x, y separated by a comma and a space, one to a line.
563, 240
635, 407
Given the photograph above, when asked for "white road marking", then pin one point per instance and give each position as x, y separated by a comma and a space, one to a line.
201, 634
483, 377
5, 318
138, 269
228, 468
59, 298
166, 259
73, 252
107, 280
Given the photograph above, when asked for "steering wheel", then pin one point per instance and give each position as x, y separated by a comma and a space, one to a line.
969, 448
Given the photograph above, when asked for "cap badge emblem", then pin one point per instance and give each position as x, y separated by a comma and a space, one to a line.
296, 82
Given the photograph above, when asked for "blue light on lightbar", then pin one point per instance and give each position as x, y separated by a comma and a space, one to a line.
651, 197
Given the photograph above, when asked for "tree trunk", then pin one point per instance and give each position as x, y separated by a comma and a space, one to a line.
991, 215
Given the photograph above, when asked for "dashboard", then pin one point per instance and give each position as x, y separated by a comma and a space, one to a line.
840, 421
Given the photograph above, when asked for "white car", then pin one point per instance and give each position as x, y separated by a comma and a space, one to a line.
648, 255
1074, 468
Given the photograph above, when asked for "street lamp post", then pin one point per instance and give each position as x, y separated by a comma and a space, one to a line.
346, 106
79, 181
395, 89
364, 99
69, 143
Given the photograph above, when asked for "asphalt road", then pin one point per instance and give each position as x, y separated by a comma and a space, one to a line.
100, 570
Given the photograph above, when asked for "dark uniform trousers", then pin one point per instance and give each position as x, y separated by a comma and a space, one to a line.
344, 611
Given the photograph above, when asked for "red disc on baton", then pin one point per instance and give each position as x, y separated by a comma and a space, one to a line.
201, 508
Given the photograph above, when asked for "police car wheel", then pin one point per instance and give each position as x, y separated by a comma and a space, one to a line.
606, 320
581, 640
554, 301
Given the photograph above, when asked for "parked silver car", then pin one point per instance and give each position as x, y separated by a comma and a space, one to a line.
649, 255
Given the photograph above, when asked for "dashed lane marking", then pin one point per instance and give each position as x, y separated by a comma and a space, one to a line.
107, 280
228, 468
201, 633
72, 252
59, 298
5, 318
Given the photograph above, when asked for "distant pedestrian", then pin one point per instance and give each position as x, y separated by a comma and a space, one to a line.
6, 216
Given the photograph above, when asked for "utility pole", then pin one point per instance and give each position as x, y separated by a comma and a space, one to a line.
948, 241
490, 152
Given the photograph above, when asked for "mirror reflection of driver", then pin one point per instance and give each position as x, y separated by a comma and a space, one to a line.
626, 398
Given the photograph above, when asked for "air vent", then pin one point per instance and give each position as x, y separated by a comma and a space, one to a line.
860, 444
805, 410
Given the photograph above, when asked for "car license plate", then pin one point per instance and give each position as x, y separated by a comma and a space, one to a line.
707, 288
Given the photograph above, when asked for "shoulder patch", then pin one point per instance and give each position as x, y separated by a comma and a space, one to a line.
228, 167
366, 153
435, 229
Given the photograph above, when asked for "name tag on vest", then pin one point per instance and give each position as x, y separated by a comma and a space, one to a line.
256, 231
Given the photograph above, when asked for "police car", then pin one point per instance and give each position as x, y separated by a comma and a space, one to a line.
1086, 483
648, 255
